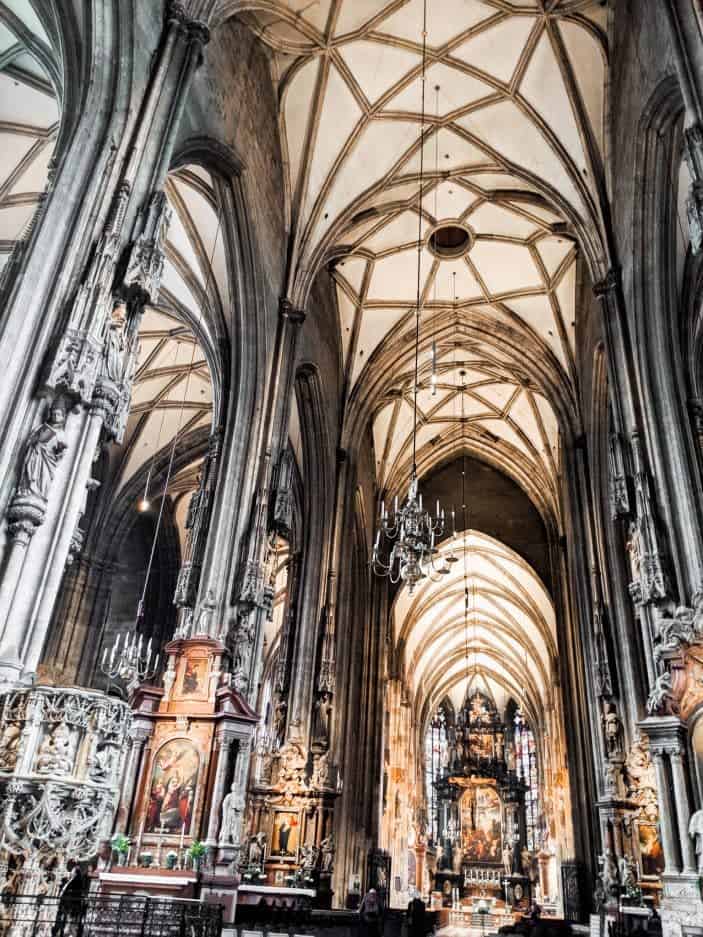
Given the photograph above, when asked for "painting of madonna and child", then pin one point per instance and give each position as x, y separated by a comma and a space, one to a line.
174, 782
481, 824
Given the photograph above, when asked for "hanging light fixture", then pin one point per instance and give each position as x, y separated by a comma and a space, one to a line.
411, 529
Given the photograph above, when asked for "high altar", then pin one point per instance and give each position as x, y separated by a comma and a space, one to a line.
480, 803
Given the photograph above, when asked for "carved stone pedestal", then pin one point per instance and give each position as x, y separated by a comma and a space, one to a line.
682, 904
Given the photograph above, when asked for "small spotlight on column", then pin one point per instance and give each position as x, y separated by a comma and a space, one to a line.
143, 505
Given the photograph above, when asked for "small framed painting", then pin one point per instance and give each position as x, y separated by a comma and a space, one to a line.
285, 835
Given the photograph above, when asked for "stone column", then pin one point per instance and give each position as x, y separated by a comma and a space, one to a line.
197, 526
666, 814
256, 589
683, 811
89, 373
141, 731
420, 852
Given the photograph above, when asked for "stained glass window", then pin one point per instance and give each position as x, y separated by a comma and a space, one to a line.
436, 754
526, 767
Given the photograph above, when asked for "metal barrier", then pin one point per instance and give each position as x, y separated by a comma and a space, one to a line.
108, 916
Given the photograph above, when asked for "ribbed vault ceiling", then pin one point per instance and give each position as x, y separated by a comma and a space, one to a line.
512, 150
29, 120
508, 636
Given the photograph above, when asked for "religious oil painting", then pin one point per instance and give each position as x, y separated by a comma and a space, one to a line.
194, 678
481, 824
651, 852
174, 784
285, 835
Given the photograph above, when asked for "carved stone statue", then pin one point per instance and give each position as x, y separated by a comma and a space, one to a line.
507, 858
115, 345
327, 851
232, 813
612, 729
45, 447
628, 873
310, 856
207, 612
257, 844
57, 751
695, 831
101, 764
322, 774
610, 876
525, 860
9, 743
320, 720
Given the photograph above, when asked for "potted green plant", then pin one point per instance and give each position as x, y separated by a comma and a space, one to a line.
195, 853
120, 844
171, 859
145, 859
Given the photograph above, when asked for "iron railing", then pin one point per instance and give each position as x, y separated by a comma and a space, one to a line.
108, 916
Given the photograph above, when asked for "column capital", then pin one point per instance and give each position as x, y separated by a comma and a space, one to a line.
196, 30
667, 735
610, 282
288, 311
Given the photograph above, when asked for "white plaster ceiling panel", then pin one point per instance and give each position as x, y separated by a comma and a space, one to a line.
509, 630
29, 121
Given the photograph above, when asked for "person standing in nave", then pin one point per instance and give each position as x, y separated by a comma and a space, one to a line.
371, 915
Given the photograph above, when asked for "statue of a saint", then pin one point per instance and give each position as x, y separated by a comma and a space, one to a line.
628, 875
612, 730
115, 344
327, 850
507, 858
457, 858
9, 742
57, 751
320, 719
232, 812
45, 447
256, 849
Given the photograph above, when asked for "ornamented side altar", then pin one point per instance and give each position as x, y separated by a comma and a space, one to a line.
190, 741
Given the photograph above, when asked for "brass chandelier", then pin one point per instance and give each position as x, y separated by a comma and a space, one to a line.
409, 528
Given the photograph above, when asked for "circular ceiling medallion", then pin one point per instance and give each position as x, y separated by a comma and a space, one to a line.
450, 239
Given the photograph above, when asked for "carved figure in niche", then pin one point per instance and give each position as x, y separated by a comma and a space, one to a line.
100, 765
232, 812
525, 860
257, 845
327, 850
457, 858
9, 743
609, 876
634, 550
45, 448
507, 857
612, 729
612, 780
310, 856
279, 722
320, 719
628, 874
322, 776
207, 613
57, 751
115, 345
695, 831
